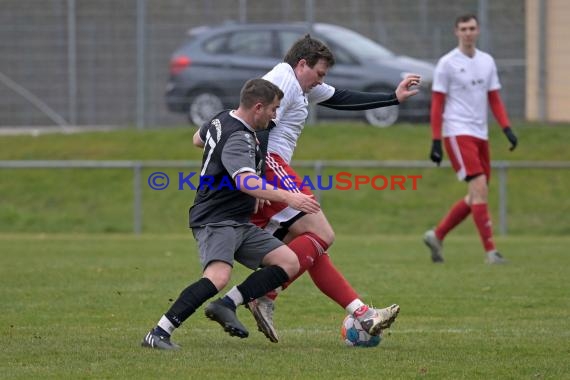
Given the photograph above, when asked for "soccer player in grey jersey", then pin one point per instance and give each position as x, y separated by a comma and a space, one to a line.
220, 217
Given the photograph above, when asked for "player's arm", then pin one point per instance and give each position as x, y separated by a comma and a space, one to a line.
436, 114
500, 113
436, 122
250, 183
199, 138
350, 100
358, 100
238, 157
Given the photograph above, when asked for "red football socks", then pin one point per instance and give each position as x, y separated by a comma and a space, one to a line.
483, 223
331, 282
456, 215
307, 247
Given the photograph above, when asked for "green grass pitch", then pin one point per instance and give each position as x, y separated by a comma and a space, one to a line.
78, 291
77, 306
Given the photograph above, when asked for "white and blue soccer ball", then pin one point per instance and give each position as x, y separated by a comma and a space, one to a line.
354, 335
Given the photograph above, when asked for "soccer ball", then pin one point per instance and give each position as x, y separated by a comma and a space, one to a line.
354, 335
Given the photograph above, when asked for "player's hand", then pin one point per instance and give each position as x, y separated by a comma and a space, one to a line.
436, 154
303, 202
406, 87
259, 204
512, 138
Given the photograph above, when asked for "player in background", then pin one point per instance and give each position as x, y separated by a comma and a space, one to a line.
300, 77
220, 218
465, 80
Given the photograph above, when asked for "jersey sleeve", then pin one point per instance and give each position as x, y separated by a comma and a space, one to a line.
498, 108
357, 100
494, 83
440, 78
321, 93
203, 131
436, 114
238, 154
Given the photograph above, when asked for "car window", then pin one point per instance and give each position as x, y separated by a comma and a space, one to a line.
216, 45
286, 40
341, 55
356, 44
250, 43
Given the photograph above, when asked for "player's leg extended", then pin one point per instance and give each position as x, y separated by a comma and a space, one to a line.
307, 247
460, 150
457, 213
434, 238
332, 283
278, 266
188, 301
216, 246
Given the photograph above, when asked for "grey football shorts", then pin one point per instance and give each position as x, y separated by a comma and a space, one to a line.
245, 243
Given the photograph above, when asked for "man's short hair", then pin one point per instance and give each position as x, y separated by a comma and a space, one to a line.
311, 50
466, 17
259, 91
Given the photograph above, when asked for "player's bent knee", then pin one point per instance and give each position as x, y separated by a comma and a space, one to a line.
324, 231
219, 282
285, 258
328, 237
292, 265
316, 224
219, 273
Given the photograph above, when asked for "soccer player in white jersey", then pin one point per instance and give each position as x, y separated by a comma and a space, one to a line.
300, 77
465, 80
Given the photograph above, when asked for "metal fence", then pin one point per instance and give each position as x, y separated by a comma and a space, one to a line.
105, 62
502, 168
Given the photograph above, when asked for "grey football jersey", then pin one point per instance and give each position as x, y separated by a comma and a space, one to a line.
230, 148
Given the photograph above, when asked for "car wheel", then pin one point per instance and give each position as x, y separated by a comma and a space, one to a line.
382, 117
203, 105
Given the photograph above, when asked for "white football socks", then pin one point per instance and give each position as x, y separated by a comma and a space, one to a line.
353, 306
235, 295
166, 325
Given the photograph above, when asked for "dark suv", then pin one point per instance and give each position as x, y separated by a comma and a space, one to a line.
209, 69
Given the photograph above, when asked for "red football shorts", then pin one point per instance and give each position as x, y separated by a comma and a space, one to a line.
279, 215
469, 156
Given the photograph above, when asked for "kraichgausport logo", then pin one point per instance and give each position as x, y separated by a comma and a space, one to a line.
340, 181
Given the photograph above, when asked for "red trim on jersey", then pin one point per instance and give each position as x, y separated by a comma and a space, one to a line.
498, 108
436, 115
279, 173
